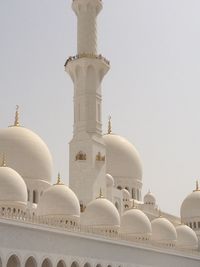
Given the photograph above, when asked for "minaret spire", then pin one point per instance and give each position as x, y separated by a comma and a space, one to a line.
16, 123
109, 125
3, 164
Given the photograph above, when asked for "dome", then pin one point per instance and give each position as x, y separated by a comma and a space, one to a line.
26, 153
109, 180
163, 231
59, 201
13, 189
186, 237
190, 207
135, 223
149, 198
122, 158
101, 213
126, 195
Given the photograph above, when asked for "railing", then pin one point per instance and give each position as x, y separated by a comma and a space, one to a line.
72, 226
85, 55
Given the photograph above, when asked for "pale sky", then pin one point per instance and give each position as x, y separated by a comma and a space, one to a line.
152, 90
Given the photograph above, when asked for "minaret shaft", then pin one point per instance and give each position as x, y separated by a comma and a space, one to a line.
87, 69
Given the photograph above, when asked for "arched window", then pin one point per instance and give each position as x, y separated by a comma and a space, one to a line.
31, 262
98, 265
61, 263
87, 265
138, 194
28, 192
133, 193
74, 264
119, 187
47, 263
13, 261
35, 196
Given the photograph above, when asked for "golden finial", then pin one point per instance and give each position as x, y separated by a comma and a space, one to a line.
197, 186
109, 125
17, 116
3, 164
58, 180
100, 193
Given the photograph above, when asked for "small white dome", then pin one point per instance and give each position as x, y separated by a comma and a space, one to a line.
186, 237
122, 158
26, 153
135, 223
109, 180
190, 207
150, 199
59, 201
13, 189
163, 231
101, 213
126, 195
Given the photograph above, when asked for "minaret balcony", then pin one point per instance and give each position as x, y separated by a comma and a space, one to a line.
87, 56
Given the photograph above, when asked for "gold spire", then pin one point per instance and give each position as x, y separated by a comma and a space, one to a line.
100, 194
109, 125
3, 164
197, 186
59, 180
17, 116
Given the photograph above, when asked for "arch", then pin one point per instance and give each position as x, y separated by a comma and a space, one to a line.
31, 262
35, 196
138, 194
74, 264
133, 193
28, 194
61, 263
87, 265
13, 261
46, 263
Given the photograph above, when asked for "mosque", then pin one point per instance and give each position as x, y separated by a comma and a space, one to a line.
100, 219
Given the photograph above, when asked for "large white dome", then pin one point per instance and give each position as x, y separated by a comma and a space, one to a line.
59, 201
135, 223
122, 158
186, 237
101, 213
190, 207
163, 231
26, 153
13, 189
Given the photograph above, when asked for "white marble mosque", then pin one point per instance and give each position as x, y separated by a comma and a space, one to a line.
101, 218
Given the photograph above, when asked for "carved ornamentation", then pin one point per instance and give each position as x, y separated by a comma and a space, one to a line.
81, 156
99, 157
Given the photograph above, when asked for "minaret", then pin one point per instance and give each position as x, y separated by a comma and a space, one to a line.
87, 69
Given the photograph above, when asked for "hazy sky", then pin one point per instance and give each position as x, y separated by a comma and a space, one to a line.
152, 90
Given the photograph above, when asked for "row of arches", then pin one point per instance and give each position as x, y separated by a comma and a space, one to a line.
14, 261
